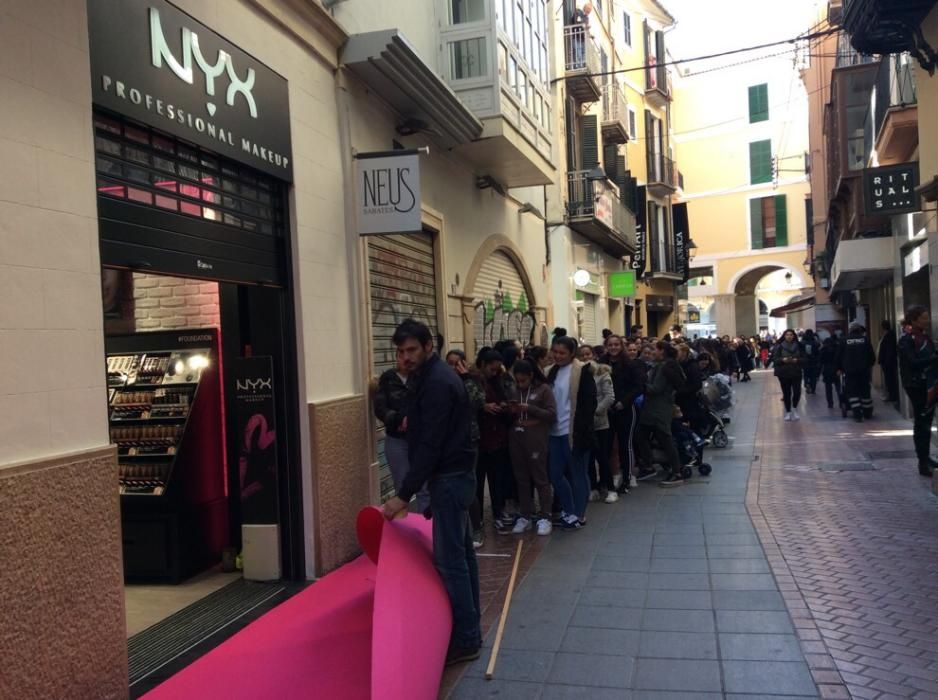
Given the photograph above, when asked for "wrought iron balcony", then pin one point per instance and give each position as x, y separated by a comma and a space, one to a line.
662, 175
581, 64
893, 116
595, 211
615, 124
888, 26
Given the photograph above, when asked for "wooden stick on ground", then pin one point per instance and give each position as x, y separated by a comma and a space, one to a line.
490, 671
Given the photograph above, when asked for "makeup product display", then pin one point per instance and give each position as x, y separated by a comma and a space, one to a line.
164, 410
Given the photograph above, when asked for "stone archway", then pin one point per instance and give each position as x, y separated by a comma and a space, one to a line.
498, 300
738, 311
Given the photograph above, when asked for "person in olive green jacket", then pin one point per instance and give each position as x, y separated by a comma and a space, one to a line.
654, 421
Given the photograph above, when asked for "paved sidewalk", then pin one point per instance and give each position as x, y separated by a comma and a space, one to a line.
852, 536
666, 595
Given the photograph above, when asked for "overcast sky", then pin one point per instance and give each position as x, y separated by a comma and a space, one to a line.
711, 26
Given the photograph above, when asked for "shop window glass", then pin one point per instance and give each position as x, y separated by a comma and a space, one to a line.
266, 228
109, 167
211, 197
228, 170
467, 58
229, 203
211, 214
250, 208
135, 134
111, 190
503, 62
137, 155
164, 164
168, 185
519, 25
190, 209
106, 145
263, 198
187, 153
106, 124
163, 144
249, 224
231, 220
463, 11
137, 174
190, 191
166, 203
523, 87
229, 186
207, 178
141, 196
248, 192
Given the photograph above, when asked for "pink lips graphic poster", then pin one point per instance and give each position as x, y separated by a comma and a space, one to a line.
255, 412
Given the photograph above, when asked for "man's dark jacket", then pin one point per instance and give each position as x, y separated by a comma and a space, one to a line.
438, 425
858, 356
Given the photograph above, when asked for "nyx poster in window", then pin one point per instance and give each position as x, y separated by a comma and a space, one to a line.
257, 439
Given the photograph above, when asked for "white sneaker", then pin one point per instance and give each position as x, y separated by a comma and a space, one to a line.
544, 527
594, 495
522, 525
612, 497
617, 481
788, 416
633, 482
795, 417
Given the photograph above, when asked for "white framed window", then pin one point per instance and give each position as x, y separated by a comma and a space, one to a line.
633, 123
465, 11
467, 58
627, 28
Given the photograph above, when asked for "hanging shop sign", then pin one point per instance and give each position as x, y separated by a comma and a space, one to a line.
621, 284
154, 63
387, 192
681, 239
641, 248
891, 189
257, 438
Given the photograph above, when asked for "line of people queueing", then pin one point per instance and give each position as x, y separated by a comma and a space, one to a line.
553, 422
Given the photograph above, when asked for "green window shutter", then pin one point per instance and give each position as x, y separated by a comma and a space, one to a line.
610, 160
760, 162
758, 103
649, 145
589, 146
622, 178
755, 221
781, 220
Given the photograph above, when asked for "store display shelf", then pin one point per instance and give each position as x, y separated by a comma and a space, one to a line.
167, 385
144, 421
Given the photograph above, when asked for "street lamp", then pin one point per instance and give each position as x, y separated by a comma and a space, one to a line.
691, 248
808, 266
581, 277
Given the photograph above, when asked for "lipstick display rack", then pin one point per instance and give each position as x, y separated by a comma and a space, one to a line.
150, 395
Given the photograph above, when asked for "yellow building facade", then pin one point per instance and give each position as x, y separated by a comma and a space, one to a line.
740, 135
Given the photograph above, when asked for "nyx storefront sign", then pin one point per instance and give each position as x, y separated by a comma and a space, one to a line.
891, 189
154, 63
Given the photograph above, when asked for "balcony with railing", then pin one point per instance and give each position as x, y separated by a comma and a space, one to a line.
662, 175
595, 211
581, 64
615, 117
658, 85
893, 116
884, 26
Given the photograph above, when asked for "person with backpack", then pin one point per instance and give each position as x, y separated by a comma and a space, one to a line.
829, 358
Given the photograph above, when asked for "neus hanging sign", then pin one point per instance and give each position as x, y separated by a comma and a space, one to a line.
154, 63
387, 192
891, 189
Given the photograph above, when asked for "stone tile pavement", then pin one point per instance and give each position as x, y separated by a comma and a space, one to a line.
666, 595
851, 534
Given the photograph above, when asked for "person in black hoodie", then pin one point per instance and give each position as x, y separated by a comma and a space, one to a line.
812, 351
686, 396
391, 400
857, 362
888, 360
917, 362
830, 370
628, 382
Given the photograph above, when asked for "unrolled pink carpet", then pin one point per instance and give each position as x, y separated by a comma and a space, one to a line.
378, 627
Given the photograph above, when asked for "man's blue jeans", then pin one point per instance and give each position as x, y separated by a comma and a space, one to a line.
453, 554
569, 475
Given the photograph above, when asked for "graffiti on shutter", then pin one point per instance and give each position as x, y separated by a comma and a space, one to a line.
502, 308
402, 280
403, 285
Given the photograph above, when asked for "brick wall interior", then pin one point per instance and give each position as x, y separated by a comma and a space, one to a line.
165, 303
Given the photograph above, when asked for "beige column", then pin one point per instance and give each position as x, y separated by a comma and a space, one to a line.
747, 315
724, 306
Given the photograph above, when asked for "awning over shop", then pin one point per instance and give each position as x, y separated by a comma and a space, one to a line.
390, 66
801, 304
863, 263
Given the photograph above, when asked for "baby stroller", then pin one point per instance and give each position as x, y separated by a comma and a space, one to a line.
716, 397
689, 450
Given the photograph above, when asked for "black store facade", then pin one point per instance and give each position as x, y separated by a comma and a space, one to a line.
193, 169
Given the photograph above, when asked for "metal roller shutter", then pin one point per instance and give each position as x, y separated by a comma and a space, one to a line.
402, 285
502, 307
588, 325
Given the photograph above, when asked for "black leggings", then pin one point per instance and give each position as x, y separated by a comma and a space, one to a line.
791, 391
601, 457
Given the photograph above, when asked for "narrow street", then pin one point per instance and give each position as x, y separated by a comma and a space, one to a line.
802, 567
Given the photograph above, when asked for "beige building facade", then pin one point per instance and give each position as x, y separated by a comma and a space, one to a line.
743, 157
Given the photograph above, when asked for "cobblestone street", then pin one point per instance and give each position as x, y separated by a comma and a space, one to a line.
803, 567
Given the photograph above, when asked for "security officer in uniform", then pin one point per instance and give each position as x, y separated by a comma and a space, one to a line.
857, 360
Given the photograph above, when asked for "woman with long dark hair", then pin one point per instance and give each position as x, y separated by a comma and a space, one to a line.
628, 382
789, 359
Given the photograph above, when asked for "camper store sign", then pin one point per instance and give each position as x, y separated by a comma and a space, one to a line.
891, 189
387, 192
152, 62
